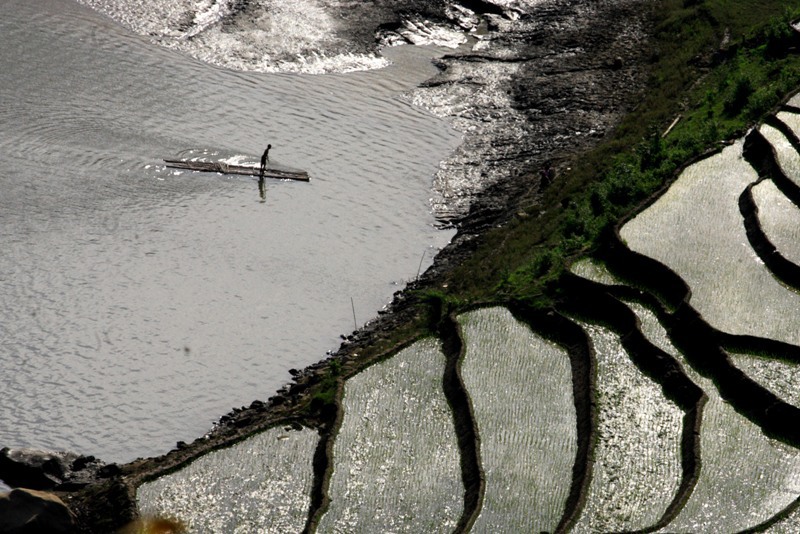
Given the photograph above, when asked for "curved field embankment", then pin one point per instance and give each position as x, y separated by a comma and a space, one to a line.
593, 302
709, 502
395, 455
236, 488
520, 390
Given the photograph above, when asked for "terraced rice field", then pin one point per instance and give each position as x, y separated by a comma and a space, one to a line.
521, 391
788, 158
779, 218
745, 477
696, 229
396, 459
792, 120
594, 271
779, 377
259, 485
789, 524
637, 463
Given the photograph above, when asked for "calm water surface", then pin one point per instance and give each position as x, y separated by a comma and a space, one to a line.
138, 304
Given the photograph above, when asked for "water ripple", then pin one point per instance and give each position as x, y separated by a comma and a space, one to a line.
137, 303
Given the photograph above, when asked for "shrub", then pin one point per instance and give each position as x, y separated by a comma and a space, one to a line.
738, 96
778, 37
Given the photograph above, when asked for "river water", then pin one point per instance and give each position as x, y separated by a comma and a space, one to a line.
137, 303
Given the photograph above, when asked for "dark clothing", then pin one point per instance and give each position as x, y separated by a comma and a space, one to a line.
264, 160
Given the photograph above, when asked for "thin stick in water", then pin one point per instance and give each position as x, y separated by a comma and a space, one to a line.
352, 305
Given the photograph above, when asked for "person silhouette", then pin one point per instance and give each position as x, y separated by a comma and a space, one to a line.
264, 161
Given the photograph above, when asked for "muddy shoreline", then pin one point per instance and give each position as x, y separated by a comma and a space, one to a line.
544, 86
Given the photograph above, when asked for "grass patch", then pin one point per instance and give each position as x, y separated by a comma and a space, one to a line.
719, 65
325, 393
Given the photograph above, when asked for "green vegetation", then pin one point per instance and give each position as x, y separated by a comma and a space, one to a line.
594, 271
719, 65
696, 229
325, 393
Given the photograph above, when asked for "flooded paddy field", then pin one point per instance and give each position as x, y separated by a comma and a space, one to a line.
395, 455
696, 229
682, 450
262, 484
779, 376
787, 156
637, 464
594, 271
741, 477
745, 478
779, 218
520, 387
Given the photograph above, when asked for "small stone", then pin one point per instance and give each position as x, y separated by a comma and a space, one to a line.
82, 461
25, 511
111, 470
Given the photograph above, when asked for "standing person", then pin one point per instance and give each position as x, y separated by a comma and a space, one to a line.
264, 160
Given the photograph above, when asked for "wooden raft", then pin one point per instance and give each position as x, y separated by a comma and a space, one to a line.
224, 168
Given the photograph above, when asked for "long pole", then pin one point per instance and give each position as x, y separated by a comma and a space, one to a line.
420, 264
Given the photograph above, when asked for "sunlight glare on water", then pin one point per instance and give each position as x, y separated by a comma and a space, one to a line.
260, 35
